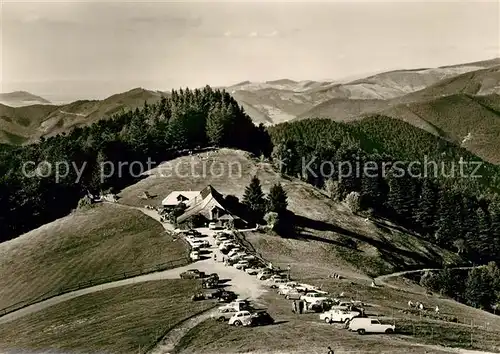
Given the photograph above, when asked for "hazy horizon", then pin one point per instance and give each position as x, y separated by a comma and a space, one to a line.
88, 50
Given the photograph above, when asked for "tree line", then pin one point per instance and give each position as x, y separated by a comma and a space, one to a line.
479, 287
187, 119
458, 213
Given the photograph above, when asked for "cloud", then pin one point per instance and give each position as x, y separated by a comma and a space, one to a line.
253, 34
228, 34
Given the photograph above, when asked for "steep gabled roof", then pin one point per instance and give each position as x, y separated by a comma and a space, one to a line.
207, 195
172, 198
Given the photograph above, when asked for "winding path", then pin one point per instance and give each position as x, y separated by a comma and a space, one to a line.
240, 282
381, 280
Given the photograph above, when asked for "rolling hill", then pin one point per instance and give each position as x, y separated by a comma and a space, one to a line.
463, 109
21, 98
277, 101
82, 247
26, 124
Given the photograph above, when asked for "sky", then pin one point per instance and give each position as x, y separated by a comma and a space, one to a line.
90, 49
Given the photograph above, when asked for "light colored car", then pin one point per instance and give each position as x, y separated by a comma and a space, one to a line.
235, 258
238, 305
212, 226
195, 256
276, 282
252, 271
293, 294
264, 274
288, 284
234, 251
369, 325
241, 265
284, 290
224, 313
240, 317
343, 305
312, 298
338, 316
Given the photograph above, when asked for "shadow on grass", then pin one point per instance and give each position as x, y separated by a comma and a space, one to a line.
388, 251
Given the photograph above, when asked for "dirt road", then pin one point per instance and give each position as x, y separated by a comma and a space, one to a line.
243, 284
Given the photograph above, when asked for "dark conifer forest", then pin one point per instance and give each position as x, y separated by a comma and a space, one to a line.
188, 119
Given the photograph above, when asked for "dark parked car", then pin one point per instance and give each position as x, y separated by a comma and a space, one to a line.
226, 296
192, 274
210, 283
214, 276
260, 318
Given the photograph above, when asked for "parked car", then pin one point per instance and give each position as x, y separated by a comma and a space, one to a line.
313, 297
195, 256
192, 274
219, 241
286, 287
224, 296
370, 325
235, 258
338, 316
210, 283
238, 318
238, 304
252, 270
264, 274
259, 318
343, 305
234, 251
293, 294
214, 276
241, 265
224, 313
213, 226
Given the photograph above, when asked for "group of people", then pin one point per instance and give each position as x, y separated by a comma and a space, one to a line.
420, 306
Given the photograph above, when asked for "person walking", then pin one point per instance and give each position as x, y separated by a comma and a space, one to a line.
301, 306
294, 306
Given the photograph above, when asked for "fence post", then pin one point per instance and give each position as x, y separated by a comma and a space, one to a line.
471, 331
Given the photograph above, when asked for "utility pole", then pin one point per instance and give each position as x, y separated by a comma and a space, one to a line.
288, 269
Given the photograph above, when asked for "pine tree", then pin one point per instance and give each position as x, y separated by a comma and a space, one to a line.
478, 292
447, 224
425, 213
483, 241
277, 200
216, 126
254, 199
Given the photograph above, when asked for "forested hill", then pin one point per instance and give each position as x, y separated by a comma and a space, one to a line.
185, 120
461, 213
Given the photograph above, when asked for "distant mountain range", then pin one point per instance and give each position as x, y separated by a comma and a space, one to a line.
21, 98
460, 103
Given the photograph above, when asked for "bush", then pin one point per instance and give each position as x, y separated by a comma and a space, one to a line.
353, 201
84, 203
272, 220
